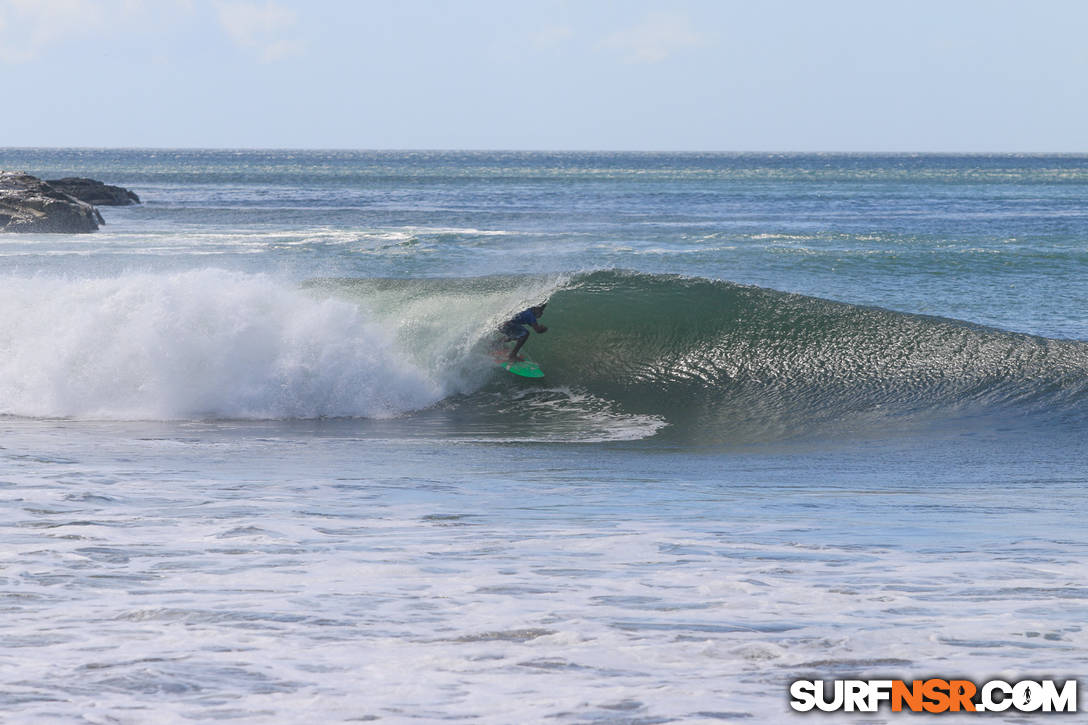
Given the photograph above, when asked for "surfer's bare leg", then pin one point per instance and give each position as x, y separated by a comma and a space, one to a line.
517, 347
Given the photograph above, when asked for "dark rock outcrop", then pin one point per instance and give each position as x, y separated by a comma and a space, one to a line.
94, 192
28, 204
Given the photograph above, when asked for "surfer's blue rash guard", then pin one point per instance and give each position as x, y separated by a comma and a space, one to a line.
515, 328
525, 318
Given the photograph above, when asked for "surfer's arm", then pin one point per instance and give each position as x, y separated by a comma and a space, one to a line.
539, 328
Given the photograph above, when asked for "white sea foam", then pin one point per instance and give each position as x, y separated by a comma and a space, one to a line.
178, 572
567, 415
194, 344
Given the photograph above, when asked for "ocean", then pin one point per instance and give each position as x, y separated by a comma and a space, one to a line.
804, 416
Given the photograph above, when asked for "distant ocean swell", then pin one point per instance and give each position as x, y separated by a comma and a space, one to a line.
703, 358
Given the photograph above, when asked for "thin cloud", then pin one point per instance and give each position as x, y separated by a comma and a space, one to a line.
655, 38
265, 30
552, 36
30, 27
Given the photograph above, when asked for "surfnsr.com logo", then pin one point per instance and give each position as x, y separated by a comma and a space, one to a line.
933, 695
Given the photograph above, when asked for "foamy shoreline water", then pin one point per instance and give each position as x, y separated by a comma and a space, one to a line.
279, 586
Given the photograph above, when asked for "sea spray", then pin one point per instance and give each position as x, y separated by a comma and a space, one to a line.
205, 343
448, 325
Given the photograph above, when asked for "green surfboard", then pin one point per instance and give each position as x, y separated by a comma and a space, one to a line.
525, 368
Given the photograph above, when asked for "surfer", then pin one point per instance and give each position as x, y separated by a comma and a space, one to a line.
514, 328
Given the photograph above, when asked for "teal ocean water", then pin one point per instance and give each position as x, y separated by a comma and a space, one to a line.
804, 416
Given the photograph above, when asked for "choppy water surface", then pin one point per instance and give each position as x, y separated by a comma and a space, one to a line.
804, 417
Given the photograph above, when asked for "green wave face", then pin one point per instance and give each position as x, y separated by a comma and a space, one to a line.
727, 362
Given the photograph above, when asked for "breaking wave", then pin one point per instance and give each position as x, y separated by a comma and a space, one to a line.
629, 355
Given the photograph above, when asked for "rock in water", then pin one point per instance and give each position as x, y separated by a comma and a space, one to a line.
94, 192
28, 204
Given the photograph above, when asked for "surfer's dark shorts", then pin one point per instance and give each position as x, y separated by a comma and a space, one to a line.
514, 331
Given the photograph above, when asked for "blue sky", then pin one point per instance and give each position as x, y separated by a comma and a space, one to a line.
715, 75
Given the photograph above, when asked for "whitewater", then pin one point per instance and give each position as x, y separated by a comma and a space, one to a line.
804, 417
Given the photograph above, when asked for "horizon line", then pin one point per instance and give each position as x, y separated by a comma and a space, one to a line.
330, 149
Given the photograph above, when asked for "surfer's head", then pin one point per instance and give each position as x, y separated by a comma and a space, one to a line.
539, 310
